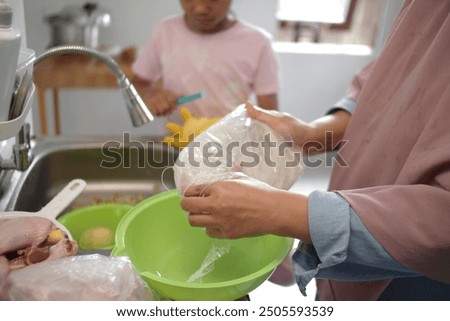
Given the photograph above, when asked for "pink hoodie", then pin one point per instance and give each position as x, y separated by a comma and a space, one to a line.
398, 150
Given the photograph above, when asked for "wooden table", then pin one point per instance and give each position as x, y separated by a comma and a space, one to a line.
71, 71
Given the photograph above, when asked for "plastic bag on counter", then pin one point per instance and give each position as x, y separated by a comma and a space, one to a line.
79, 278
238, 145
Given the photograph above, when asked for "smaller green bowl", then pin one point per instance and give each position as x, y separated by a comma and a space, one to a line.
106, 215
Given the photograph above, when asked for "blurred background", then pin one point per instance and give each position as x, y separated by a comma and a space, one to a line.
319, 44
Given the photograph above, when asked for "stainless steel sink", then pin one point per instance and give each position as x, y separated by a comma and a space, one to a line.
114, 171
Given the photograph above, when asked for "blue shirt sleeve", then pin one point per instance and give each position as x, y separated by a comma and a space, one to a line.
347, 104
343, 248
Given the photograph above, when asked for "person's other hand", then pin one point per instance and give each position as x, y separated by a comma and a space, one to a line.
230, 208
162, 102
245, 207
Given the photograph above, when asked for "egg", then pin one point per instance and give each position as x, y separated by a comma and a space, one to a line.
96, 238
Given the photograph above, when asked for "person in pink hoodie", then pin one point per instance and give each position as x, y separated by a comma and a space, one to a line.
382, 230
206, 49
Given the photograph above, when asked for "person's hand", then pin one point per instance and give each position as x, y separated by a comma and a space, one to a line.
286, 125
162, 102
230, 208
245, 207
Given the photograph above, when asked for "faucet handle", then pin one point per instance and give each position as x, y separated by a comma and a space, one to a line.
23, 136
22, 152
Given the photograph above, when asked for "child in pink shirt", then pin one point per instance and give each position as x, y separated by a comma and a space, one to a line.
206, 50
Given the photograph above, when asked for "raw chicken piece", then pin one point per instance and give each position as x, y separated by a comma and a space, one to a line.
64, 247
28, 240
22, 232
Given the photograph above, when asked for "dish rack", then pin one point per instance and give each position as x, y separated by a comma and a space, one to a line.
10, 128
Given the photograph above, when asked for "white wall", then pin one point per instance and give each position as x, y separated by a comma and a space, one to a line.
311, 82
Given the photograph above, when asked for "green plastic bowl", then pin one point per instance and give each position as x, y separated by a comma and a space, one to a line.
167, 251
102, 215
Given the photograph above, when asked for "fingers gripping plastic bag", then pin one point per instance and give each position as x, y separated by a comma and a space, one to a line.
238, 145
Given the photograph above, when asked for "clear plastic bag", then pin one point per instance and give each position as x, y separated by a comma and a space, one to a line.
208, 264
238, 145
79, 278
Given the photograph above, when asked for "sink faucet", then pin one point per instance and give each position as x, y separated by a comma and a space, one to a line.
22, 152
138, 111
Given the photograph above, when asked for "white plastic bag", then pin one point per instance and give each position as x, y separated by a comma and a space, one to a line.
79, 278
238, 145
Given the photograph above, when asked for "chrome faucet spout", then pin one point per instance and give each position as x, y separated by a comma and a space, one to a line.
138, 111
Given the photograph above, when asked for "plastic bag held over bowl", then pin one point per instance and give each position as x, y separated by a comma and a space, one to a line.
238, 145
80, 278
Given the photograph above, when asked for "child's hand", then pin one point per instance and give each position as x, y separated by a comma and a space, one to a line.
162, 103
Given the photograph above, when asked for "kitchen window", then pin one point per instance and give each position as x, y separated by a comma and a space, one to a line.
329, 21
